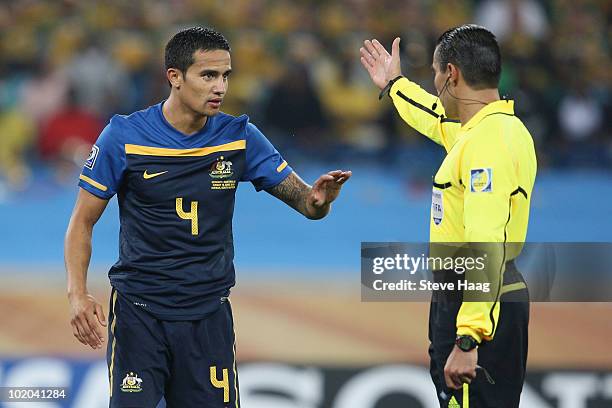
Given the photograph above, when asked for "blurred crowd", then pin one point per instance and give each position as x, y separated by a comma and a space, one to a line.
68, 65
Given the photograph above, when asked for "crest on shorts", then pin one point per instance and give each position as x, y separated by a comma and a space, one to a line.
131, 383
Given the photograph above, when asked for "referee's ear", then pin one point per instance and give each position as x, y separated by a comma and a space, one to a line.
453, 74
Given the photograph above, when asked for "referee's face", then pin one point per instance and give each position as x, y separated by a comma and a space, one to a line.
205, 83
442, 83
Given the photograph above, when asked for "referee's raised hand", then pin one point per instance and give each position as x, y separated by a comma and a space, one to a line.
382, 66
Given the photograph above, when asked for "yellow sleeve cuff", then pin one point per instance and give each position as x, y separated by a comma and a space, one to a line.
468, 331
402, 82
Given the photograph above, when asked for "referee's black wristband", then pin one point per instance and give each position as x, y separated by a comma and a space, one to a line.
386, 89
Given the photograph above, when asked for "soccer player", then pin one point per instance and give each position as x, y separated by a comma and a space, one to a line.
481, 194
175, 167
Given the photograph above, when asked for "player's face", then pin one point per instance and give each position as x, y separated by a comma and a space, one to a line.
205, 82
441, 84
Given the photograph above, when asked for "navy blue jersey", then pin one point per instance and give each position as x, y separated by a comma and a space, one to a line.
176, 197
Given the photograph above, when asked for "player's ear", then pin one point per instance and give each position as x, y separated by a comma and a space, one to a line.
175, 77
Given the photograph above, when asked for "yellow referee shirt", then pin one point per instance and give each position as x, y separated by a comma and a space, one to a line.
482, 191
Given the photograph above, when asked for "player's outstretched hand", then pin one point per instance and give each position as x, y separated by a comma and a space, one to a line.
381, 65
327, 187
87, 320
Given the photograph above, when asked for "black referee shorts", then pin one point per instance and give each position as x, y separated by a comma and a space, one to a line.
504, 358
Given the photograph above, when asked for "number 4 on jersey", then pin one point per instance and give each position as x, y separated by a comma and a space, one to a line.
191, 215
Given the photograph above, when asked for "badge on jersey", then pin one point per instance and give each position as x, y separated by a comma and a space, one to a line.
481, 180
91, 159
437, 206
219, 171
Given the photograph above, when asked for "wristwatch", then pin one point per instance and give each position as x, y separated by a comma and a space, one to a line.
466, 343
387, 89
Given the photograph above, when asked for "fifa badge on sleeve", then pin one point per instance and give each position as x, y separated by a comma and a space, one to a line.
91, 159
481, 180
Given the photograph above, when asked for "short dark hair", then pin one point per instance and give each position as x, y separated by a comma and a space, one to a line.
475, 51
180, 48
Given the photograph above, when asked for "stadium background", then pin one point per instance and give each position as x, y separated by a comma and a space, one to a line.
304, 338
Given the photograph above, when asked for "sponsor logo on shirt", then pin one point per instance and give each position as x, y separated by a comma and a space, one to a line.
147, 176
481, 180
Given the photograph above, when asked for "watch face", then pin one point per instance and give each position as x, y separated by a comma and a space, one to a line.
465, 343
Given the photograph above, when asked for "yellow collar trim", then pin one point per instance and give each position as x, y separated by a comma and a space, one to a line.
504, 106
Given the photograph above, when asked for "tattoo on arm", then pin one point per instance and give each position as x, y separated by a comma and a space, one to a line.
293, 191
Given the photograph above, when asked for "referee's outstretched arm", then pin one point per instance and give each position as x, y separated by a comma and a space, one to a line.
419, 109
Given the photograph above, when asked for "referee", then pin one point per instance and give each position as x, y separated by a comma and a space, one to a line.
481, 194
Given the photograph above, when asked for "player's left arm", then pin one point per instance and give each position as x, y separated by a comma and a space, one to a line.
314, 202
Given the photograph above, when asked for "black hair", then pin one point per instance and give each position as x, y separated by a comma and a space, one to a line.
475, 51
180, 48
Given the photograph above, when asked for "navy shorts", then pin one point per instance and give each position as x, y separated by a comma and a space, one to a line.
189, 363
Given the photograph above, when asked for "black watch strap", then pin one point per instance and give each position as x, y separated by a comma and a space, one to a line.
387, 88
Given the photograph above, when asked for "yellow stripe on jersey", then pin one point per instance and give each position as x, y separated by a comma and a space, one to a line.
282, 166
93, 182
201, 151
